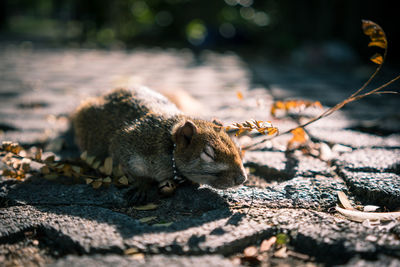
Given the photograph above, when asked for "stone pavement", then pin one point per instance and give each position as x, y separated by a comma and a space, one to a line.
50, 223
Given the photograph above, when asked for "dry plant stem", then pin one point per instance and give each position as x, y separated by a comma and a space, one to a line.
338, 106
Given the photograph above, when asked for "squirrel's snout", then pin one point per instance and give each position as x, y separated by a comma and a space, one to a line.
241, 178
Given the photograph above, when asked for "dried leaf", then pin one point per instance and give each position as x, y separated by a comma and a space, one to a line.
90, 160
108, 166
375, 33
25, 164
76, 169
123, 180
360, 216
267, 244
45, 170
370, 208
50, 158
281, 253
131, 251
344, 201
288, 105
263, 127
377, 59
239, 95
89, 181
38, 154
162, 224
299, 137
102, 169
147, 219
84, 155
96, 164
137, 256
96, 184
379, 43
5, 145
117, 171
150, 206
10, 173
250, 252
107, 179
15, 148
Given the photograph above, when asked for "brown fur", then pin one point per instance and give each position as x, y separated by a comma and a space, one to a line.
138, 128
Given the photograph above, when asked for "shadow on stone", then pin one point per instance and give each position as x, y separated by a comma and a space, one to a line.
100, 205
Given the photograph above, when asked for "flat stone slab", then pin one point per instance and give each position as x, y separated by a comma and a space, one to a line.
93, 229
281, 166
381, 188
55, 193
317, 193
370, 160
354, 139
157, 261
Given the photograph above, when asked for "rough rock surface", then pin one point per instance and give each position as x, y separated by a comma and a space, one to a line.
288, 194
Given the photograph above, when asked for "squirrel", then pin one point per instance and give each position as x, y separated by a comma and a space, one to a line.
154, 141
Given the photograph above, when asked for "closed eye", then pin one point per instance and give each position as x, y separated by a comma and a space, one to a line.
208, 154
209, 151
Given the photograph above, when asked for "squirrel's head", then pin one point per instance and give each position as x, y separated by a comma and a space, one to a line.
205, 154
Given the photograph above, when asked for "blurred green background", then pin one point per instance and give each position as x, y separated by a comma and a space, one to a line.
280, 28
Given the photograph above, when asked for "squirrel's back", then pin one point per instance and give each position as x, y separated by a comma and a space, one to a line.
97, 119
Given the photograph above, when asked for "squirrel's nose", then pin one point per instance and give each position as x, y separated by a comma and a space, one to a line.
241, 178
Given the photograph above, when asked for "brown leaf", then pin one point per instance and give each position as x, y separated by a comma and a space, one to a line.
76, 169
38, 154
123, 180
96, 164
25, 164
88, 180
344, 201
288, 105
108, 166
118, 171
84, 155
281, 253
239, 95
150, 206
15, 148
147, 219
375, 33
377, 59
131, 251
250, 252
50, 158
162, 224
96, 184
90, 160
107, 180
6, 145
299, 137
379, 43
263, 127
102, 169
267, 244
45, 170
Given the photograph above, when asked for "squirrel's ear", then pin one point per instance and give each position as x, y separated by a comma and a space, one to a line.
185, 133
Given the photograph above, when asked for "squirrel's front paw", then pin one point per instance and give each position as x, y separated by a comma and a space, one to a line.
140, 196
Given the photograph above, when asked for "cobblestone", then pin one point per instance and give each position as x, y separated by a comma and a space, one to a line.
40, 88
